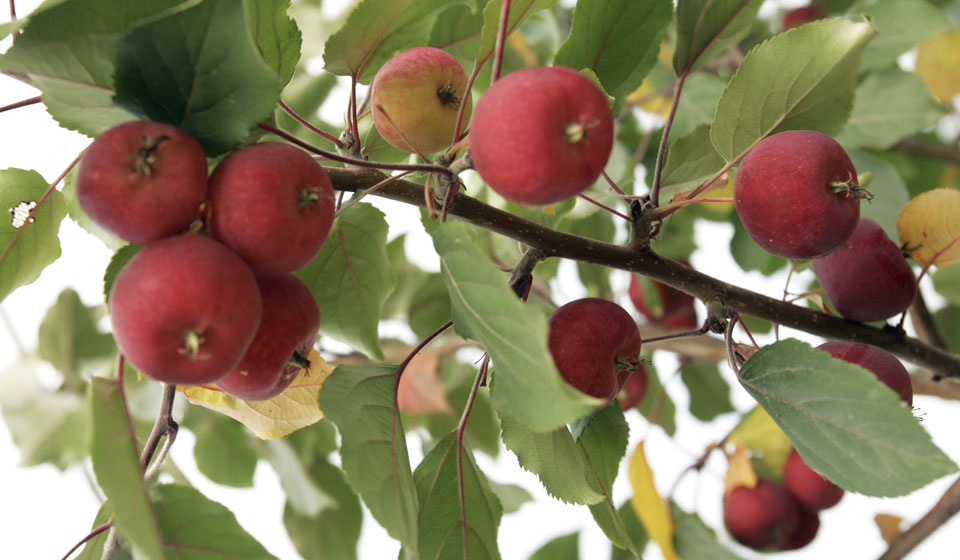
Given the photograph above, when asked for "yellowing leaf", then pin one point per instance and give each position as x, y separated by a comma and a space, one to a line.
649, 506
929, 227
650, 100
725, 192
289, 411
889, 525
740, 471
938, 64
767, 443
420, 388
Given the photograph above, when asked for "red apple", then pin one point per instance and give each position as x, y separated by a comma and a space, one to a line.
662, 305
796, 193
541, 135
868, 278
811, 490
595, 344
273, 205
634, 389
806, 531
282, 344
883, 364
184, 310
801, 15
762, 517
416, 97
142, 180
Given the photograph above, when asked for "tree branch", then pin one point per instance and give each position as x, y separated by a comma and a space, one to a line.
930, 150
644, 261
906, 541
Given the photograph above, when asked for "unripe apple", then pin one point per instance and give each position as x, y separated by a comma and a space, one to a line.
595, 344
801, 15
541, 135
273, 205
867, 278
811, 490
661, 304
416, 97
283, 341
796, 193
883, 364
142, 180
184, 310
762, 517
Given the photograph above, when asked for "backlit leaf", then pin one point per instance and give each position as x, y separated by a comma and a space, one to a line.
767, 443
709, 392
351, 278
900, 24
199, 70
775, 90
116, 464
294, 408
26, 250
69, 337
360, 401
652, 509
846, 424
706, 27
938, 64
520, 10
485, 309
222, 452
459, 514
929, 227
617, 39
692, 158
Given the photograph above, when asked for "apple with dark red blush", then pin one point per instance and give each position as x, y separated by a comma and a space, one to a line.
595, 345
633, 389
878, 361
811, 489
761, 517
802, 14
282, 345
662, 305
142, 180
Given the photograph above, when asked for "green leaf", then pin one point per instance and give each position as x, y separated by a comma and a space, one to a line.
69, 52
116, 464
947, 283
333, 532
360, 401
709, 392
520, 11
707, 27
222, 452
409, 277
351, 278
197, 528
119, 259
564, 547
376, 30
511, 496
698, 105
458, 31
775, 90
657, 406
459, 513
695, 541
636, 530
76, 213
485, 309
948, 322
69, 338
618, 40
889, 106
553, 457
276, 35
26, 251
47, 427
430, 306
890, 192
199, 70
846, 424
602, 445
749, 255
303, 494
692, 158
901, 25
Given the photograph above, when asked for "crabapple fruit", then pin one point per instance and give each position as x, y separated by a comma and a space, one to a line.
185, 309
801, 15
416, 98
883, 364
634, 389
283, 341
807, 527
661, 304
762, 517
867, 278
142, 180
541, 135
595, 345
796, 193
811, 490
273, 205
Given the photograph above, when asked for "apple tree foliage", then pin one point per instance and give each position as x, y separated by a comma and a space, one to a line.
721, 78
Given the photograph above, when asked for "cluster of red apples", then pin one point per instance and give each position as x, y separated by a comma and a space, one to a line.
783, 515
798, 197
210, 298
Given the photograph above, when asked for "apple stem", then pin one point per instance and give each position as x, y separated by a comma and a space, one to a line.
147, 154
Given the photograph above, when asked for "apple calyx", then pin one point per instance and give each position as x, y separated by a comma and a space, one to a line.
448, 97
309, 197
191, 344
851, 188
299, 360
575, 132
147, 154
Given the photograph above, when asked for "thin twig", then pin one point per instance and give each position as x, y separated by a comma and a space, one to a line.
22, 103
501, 39
296, 116
945, 508
662, 150
89, 536
164, 426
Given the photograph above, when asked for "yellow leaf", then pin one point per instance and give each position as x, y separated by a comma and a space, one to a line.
889, 525
767, 443
938, 64
650, 100
289, 411
649, 506
929, 227
549, 210
740, 471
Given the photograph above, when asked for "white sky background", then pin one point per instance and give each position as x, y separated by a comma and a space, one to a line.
44, 512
